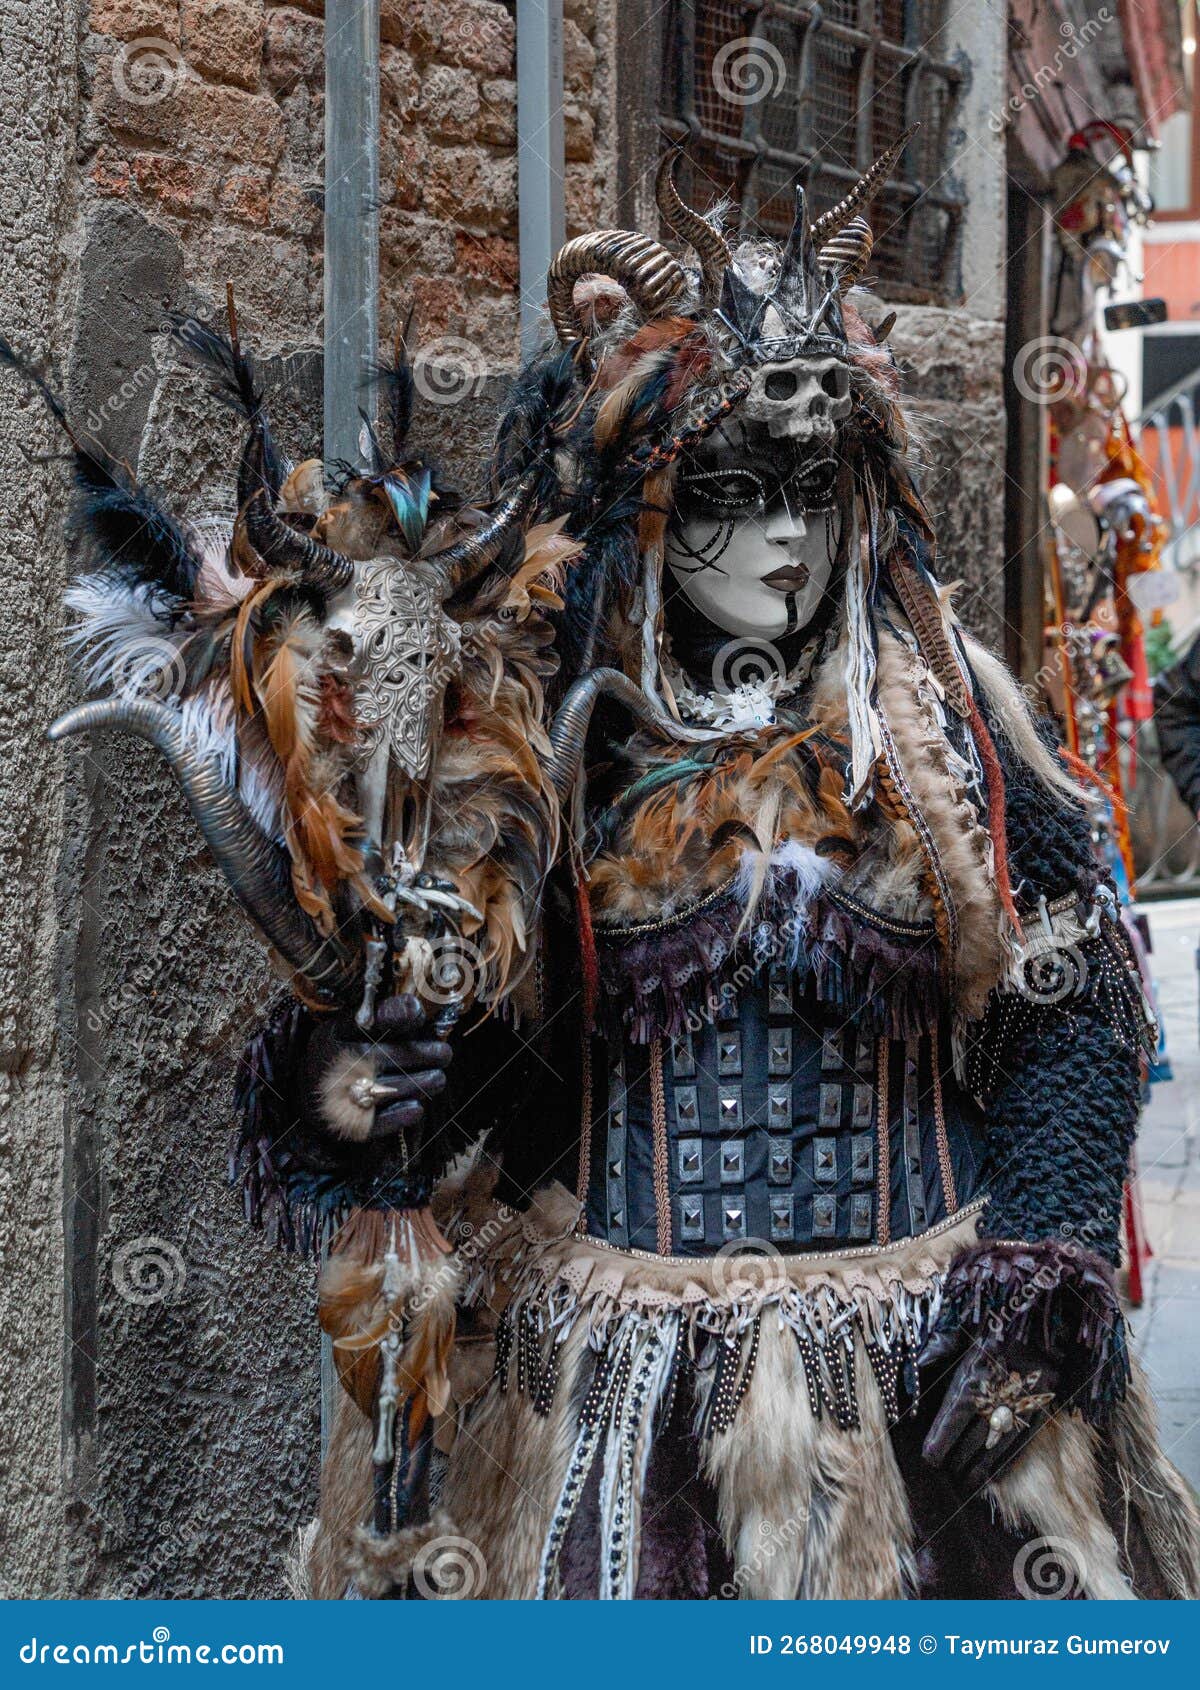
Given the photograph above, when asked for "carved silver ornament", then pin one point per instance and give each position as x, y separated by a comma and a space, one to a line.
408, 651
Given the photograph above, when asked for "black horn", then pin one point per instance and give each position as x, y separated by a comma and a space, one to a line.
467, 558
708, 242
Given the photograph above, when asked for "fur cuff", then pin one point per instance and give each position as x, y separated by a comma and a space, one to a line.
1055, 1295
434, 1557
341, 1112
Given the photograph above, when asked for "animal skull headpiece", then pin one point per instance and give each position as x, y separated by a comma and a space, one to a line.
778, 321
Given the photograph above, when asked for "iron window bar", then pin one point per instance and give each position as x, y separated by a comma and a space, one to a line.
919, 212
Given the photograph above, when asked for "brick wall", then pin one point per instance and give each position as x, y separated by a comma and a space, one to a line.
207, 115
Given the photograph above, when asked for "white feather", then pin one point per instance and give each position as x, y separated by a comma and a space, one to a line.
117, 627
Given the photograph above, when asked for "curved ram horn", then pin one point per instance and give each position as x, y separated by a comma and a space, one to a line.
848, 253
644, 268
283, 547
254, 867
707, 241
832, 222
469, 557
569, 730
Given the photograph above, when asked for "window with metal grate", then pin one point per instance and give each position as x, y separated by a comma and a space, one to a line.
768, 92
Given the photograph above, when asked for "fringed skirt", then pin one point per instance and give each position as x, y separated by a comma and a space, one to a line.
739, 1426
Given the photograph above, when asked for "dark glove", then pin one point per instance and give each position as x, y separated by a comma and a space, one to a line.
1000, 1390
374, 1086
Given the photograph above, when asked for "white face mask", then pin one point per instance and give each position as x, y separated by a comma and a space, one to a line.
762, 569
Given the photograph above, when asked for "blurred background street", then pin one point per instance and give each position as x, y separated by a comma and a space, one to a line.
1169, 1158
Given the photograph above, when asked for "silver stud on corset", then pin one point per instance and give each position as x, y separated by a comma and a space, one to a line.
733, 1220
824, 1217
779, 1052
683, 1058
691, 1218
729, 1054
825, 1160
733, 1167
779, 1161
690, 1153
862, 1159
829, 1109
783, 1218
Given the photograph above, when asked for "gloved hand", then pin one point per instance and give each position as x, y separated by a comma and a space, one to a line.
374, 1086
1000, 1390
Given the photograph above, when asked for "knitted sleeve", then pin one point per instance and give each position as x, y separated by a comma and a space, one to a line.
1056, 1065
1057, 1061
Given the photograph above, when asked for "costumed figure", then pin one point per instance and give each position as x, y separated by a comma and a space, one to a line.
713, 1055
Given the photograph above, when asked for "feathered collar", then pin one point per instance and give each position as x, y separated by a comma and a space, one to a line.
746, 847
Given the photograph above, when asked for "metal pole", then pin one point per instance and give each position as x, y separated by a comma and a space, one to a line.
540, 162
351, 285
351, 217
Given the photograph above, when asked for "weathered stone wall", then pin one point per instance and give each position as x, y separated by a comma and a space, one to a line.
160, 1403
37, 107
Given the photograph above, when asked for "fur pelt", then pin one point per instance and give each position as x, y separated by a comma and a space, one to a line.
1052, 1496
807, 1510
1151, 1487
807, 1506
387, 1566
930, 792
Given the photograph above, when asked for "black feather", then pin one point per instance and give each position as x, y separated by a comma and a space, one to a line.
125, 532
235, 380
543, 396
395, 383
230, 370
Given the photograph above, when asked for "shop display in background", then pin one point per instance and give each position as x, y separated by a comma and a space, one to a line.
1106, 581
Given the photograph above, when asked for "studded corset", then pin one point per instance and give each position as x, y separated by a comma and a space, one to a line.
777, 1120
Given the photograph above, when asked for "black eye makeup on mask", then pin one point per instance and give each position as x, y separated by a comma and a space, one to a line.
748, 487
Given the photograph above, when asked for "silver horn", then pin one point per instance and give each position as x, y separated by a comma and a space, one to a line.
254, 867
569, 730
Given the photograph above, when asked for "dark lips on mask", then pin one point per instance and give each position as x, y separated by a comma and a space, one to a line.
793, 578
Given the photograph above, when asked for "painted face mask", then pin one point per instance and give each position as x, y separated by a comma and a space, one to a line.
754, 540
